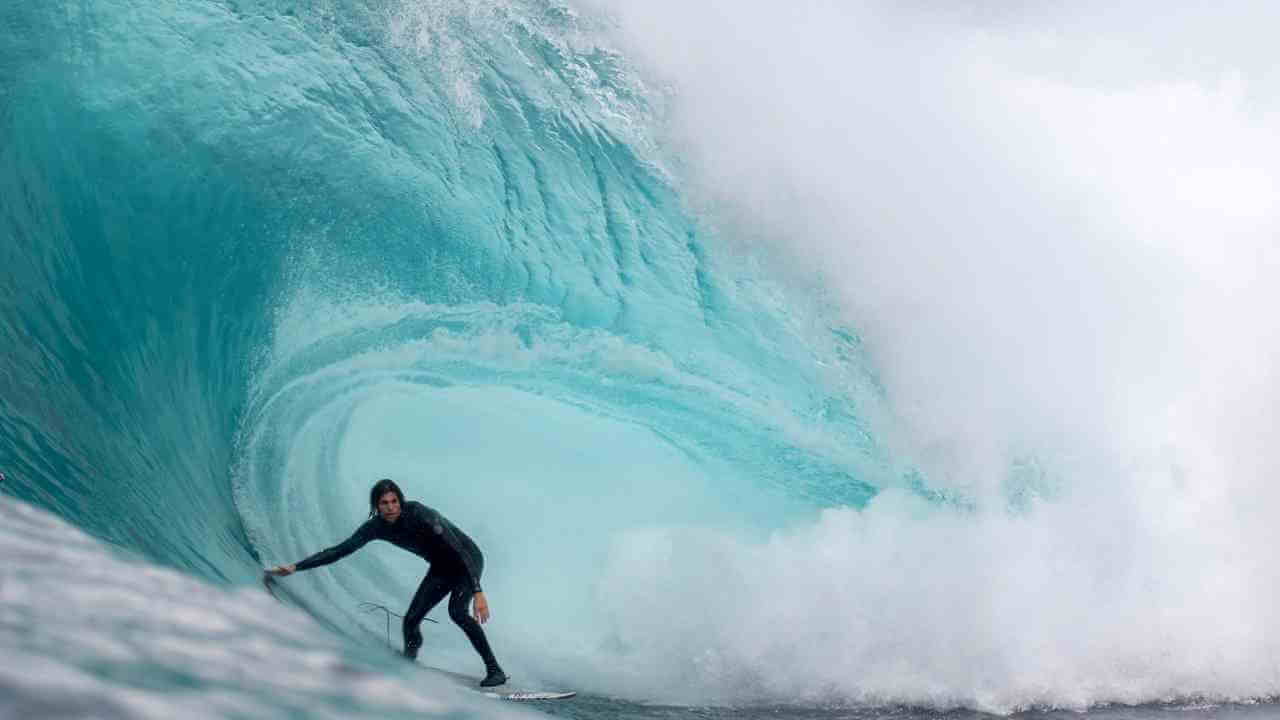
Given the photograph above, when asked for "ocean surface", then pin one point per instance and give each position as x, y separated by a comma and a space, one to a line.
257, 254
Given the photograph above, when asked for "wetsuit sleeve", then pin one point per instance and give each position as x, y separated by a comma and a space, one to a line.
453, 538
359, 539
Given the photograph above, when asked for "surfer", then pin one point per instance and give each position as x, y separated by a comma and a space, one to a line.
456, 564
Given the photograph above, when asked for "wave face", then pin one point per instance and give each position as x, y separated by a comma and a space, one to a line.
257, 255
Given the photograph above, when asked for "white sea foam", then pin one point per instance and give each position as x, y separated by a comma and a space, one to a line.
901, 603
1055, 231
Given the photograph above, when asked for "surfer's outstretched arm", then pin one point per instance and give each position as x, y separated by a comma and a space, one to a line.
359, 539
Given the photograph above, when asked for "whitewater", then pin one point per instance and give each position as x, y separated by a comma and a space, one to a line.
843, 361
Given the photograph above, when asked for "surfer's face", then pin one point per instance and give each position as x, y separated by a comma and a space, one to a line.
389, 507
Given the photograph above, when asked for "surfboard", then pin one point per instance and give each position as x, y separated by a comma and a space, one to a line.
503, 692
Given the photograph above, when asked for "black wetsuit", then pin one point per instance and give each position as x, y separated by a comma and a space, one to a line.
456, 565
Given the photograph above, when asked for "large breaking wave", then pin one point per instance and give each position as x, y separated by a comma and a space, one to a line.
257, 255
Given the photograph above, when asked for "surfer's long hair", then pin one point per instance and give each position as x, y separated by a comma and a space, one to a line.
380, 488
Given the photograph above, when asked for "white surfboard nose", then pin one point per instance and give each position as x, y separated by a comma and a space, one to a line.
526, 696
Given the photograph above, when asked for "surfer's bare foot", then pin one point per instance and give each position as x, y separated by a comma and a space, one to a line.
495, 677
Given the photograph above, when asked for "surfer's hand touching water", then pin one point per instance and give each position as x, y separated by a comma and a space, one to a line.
283, 570
480, 608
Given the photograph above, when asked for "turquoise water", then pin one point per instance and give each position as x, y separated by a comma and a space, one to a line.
257, 255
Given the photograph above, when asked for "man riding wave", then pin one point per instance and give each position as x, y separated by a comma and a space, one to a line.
456, 565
